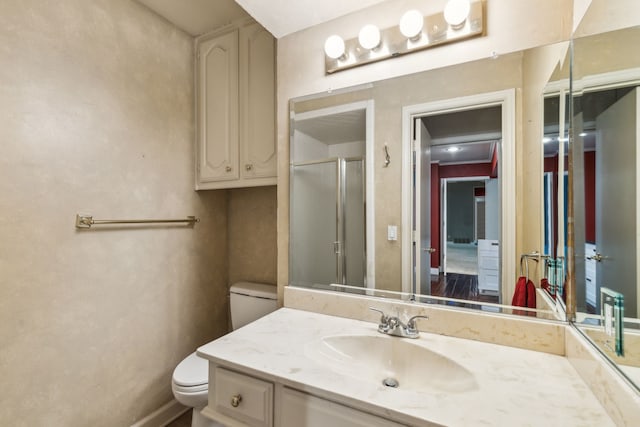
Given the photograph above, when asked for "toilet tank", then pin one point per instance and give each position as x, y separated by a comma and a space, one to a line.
250, 301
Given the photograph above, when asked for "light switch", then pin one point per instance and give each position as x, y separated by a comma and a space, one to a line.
392, 232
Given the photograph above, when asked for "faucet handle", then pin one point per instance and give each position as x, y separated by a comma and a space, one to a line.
383, 317
411, 324
384, 320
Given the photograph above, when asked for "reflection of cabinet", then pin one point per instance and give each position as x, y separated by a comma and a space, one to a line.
237, 399
488, 266
235, 108
590, 274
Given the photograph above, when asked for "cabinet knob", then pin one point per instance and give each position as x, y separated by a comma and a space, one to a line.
235, 400
248, 167
228, 168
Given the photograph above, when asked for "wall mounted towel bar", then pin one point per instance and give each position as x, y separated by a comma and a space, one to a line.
86, 221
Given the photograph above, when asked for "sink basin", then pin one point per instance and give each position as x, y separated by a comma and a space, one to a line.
390, 361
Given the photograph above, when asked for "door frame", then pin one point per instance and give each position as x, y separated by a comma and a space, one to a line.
506, 99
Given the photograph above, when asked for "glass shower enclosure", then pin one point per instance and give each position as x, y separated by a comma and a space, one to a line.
328, 223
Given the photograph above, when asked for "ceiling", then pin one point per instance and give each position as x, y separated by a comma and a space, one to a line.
474, 132
279, 17
282, 17
335, 128
469, 152
197, 16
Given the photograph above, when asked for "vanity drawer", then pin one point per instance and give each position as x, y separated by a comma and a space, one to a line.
301, 409
244, 398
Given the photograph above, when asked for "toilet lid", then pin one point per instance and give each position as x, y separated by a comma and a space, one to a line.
260, 290
192, 371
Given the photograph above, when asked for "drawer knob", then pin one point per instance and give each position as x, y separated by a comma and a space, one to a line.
228, 168
248, 167
235, 400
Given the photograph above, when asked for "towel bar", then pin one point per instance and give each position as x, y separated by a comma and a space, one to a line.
86, 221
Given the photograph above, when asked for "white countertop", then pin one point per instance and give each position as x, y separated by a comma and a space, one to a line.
514, 386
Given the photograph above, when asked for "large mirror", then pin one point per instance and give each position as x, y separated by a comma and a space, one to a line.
606, 132
406, 187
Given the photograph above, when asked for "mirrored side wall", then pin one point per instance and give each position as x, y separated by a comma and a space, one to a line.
605, 167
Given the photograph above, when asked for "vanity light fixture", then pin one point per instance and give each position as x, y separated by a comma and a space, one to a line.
369, 37
461, 19
334, 47
411, 24
456, 12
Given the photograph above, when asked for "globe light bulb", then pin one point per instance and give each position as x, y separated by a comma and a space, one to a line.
369, 36
456, 12
334, 47
411, 24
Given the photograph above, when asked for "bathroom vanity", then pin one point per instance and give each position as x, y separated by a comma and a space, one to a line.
295, 368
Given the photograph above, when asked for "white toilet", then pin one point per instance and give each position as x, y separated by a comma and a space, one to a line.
190, 382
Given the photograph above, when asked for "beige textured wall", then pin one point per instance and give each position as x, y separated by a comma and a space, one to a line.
96, 113
252, 235
608, 15
511, 26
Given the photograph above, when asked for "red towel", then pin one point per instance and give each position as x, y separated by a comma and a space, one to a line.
525, 295
544, 284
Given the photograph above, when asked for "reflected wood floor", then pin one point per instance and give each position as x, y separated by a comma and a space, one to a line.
459, 286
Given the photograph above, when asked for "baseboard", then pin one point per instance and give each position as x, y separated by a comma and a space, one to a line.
163, 415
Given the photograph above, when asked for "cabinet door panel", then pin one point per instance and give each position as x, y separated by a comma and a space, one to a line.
257, 95
244, 398
218, 108
300, 409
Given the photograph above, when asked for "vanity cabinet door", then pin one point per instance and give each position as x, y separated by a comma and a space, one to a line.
243, 398
301, 409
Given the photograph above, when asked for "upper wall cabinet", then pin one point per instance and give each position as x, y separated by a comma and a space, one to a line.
235, 108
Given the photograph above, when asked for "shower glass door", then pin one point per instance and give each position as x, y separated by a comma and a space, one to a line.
327, 239
315, 238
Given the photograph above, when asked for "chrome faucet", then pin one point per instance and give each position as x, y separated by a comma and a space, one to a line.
392, 325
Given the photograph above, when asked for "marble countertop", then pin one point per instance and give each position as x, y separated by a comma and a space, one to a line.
513, 386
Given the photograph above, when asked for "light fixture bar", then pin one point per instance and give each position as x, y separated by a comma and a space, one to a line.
435, 31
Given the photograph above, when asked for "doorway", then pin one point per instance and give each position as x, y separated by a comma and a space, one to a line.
462, 199
445, 140
609, 123
461, 157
